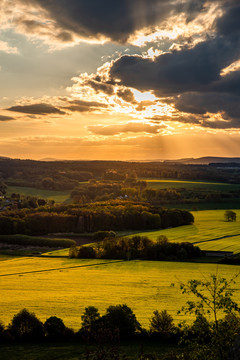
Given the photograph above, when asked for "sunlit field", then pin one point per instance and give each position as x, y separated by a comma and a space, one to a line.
66, 290
176, 184
57, 196
208, 225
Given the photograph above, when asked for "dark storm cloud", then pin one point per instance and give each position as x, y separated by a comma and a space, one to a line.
201, 103
114, 19
229, 23
6, 118
190, 69
228, 84
179, 71
39, 109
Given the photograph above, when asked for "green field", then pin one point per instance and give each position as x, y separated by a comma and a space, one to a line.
64, 292
208, 225
176, 184
57, 196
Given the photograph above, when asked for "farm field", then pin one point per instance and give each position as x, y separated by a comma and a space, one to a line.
70, 285
57, 196
164, 184
208, 225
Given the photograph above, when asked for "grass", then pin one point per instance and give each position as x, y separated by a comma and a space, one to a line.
176, 184
70, 285
73, 351
57, 196
208, 225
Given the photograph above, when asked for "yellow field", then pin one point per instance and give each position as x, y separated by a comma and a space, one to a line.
143, 285
208, 225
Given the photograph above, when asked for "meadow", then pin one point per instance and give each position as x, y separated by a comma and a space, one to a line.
57, 196
208, 225
176, 184
64, 287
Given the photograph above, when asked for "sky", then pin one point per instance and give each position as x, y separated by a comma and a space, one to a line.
119, 80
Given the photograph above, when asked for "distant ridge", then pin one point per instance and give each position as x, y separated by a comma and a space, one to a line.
49, 159
204, 160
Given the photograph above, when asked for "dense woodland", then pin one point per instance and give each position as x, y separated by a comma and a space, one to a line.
64, 175
114, 215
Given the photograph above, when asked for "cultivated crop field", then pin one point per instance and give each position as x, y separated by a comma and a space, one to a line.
72, 285
176, 184
57, 196
208, 225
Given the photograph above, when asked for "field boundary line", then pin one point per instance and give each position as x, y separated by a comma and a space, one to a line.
219, 238
62, 268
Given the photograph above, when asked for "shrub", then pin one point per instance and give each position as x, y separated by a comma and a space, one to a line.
86, 252
101, 235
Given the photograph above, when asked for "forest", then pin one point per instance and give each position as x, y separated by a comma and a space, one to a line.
112, 215
62, 175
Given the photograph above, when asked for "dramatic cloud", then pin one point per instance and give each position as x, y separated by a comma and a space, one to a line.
133, 127
38, 109
6, 118
179, 71
84, 106
203, 103
115, 20
127, 95
61, 23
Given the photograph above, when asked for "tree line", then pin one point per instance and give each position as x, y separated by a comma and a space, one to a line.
64, 175
138, 190
115, 215
137, 247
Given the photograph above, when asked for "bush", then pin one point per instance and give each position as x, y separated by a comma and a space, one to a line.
86, 252
101, 235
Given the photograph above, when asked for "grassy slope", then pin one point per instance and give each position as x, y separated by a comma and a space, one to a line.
164, 184
208, 225
57, 196
143, 285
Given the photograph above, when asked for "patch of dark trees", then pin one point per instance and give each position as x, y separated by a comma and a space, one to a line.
119, 324
65, 175
25, 240
137, 247
115, 215
135, 190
